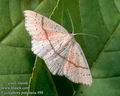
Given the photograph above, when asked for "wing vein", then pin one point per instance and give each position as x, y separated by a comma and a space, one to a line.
42, 24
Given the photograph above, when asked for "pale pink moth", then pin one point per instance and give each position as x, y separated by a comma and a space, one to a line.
58, 48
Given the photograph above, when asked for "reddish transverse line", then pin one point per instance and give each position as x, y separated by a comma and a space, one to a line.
42, 23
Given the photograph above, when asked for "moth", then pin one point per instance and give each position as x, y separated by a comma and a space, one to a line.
58, 48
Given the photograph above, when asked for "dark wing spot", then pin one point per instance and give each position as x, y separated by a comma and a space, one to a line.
83, 74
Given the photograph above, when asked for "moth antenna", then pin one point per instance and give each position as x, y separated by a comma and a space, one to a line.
73, 29
85, 34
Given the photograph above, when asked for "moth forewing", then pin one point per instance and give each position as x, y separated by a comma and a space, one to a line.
62, 54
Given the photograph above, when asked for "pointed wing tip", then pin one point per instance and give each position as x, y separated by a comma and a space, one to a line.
87, 83
28, 12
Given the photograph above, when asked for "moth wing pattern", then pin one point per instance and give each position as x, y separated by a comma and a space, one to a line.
76, 68
47, 37
33, 24
61, 53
